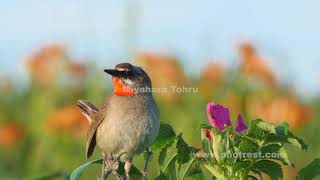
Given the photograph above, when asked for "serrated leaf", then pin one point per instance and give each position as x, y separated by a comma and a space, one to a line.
311, 171
289, 139
184, 151
270, 148
166, 136
284, 157
272, 169
266, 126
162, 156
193, 170
255, 132
247, 146
239, 165
280, 151
76, 174
282, 129
295, 141
170, 170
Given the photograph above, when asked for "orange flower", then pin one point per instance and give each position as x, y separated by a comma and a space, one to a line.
77, 69
285, 108
253, 65
171, 73
211, 77
45, 64
68, 119
11, 134
51, 63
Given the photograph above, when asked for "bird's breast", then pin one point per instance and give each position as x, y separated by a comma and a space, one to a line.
131, 124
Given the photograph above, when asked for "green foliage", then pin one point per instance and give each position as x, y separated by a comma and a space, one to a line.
76, 174
166, 137
270, 168
310, 171
259, 150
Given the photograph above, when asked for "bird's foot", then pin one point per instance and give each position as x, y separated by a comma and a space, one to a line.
112, 163
112, 166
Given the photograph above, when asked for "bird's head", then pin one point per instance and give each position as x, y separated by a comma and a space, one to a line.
127, 78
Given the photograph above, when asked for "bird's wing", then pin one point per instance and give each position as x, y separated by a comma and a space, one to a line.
91, 135
87, 108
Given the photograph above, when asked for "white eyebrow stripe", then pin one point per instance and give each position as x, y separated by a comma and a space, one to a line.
120, 69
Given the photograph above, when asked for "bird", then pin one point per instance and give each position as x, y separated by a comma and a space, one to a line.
127, 122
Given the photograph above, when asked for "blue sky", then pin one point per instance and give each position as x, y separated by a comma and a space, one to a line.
285, 31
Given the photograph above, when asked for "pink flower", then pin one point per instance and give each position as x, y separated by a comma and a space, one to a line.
218, 116
240, 125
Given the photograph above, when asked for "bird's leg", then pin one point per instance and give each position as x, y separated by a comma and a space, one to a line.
127, 168
144, 173
113, 163
105, 167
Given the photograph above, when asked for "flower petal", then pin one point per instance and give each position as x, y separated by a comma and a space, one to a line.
241, 125
210, 106
218, 116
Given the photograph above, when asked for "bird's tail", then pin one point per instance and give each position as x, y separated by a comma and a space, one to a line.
88, 109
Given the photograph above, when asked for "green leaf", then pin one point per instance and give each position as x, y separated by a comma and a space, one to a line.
165, 137
257, 173
76, 174
295, 141
289, 139
215, 170
259, 129
311, 171
247, 146
205, 126
193, 170
272, 169
135, 173
240, 165
162, 177
162, 156
266, 126
270, 148
170, 170
252, 177
284, 157
184, 151
281, 153
282, 129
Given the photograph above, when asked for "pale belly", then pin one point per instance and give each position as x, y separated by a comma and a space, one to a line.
127, 131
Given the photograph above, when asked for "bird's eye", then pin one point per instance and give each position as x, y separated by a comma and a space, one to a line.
129, 72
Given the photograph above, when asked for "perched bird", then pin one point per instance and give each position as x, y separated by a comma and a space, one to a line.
127, 123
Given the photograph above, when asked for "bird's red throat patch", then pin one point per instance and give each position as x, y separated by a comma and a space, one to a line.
121, 89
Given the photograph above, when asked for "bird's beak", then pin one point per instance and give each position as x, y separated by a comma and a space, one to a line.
113, 72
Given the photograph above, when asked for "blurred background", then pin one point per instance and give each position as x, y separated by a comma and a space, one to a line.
260, 59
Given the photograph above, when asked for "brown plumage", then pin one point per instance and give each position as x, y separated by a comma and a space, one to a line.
127, 122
